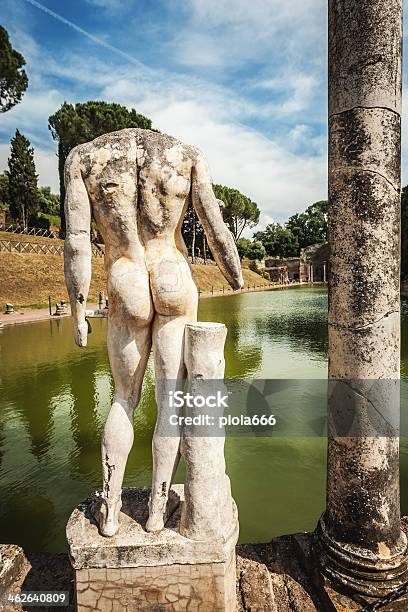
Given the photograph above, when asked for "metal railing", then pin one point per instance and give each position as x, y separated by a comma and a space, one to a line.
30, 231
12, 246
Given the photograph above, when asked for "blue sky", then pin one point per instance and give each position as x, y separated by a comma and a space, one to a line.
244, 81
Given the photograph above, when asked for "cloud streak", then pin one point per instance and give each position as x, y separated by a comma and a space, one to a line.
85, 33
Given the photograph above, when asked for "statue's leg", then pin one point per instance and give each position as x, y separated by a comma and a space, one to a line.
170, 374
128, 347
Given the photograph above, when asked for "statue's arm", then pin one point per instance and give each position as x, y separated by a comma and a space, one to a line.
219, 237
77, 250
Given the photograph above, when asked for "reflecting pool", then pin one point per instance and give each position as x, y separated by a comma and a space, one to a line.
54, 399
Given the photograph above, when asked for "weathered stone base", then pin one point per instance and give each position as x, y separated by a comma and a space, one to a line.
276, 577
200, 587
11, 563
33, 572
285, 576
359, 570
136, 570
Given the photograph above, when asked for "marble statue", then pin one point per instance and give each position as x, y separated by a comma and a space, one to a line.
136, 184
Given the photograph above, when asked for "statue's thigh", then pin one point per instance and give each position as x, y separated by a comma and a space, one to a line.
129, 347
168, 346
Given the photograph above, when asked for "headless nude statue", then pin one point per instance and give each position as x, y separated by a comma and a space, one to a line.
137, 185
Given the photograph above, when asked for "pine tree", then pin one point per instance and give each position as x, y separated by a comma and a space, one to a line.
23, 192
75, 124
13, 78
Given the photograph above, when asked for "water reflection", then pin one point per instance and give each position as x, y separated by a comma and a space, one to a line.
243, 354
85, 425
54, 399
299, 323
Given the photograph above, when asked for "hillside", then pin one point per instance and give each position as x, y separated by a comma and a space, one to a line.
28, 279
26, 238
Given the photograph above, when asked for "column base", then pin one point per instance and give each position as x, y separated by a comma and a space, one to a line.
136, 570
359, 570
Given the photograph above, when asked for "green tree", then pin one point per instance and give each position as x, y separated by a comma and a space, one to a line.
243, 246
278, 241
48, 202
300, 230
286, 244
193, 233
310, 227
404, 233
74, 124
13, 78
239, 212
4, 190
23, 191
256, 250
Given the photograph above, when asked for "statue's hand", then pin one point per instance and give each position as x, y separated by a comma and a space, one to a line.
81, 333
237, 281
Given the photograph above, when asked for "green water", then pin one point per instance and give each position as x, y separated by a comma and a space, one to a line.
54, 399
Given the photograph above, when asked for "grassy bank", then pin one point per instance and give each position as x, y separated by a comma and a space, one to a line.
26, 238
28, 279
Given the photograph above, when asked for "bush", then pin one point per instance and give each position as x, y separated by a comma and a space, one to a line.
53, 220
256, 250
254, 267
243, 245
40, 221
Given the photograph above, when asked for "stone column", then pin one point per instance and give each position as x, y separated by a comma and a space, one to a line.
209, 511
362, 545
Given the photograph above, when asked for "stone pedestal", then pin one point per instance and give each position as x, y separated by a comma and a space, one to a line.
136, 570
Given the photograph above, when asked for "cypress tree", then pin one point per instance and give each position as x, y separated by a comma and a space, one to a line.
23, 192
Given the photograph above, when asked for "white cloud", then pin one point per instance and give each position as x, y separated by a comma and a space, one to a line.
46, 164
302, 87
279, 181
31, 118
198, 49
264, 221
299, 132
279, 49
259, 12
234, 30
31, 115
